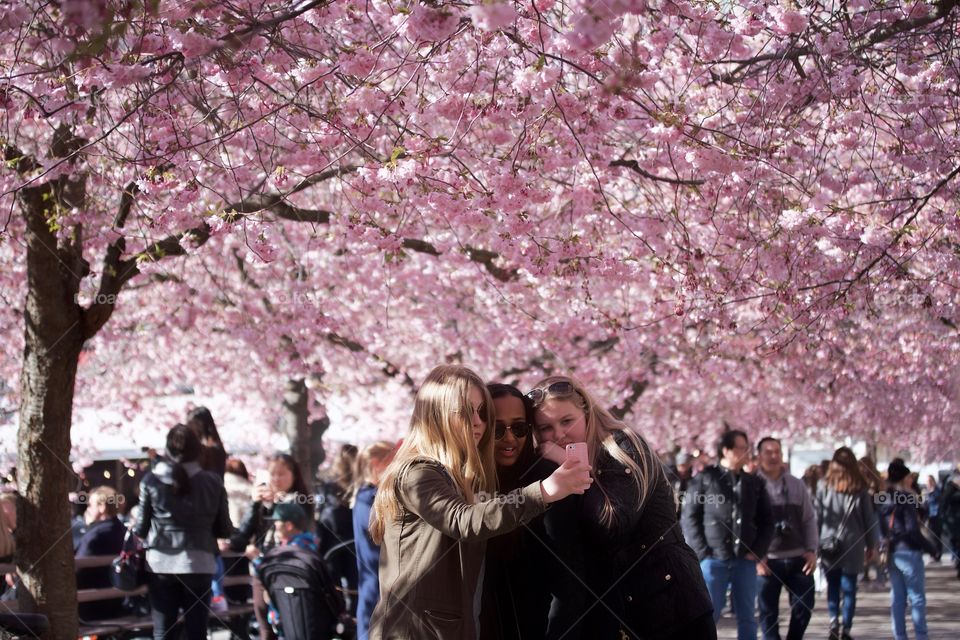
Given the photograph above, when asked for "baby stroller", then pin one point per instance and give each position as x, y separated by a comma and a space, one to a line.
304, 595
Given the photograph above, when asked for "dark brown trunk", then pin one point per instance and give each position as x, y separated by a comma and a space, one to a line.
305, 436
296, 426
54, 337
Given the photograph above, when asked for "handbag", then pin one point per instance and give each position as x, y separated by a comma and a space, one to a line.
831, 548
128, 571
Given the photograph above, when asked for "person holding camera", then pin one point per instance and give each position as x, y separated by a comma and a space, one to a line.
726, 519
792, 556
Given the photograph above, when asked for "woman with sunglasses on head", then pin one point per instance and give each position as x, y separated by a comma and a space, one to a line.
429, 521
530, 586
647, 580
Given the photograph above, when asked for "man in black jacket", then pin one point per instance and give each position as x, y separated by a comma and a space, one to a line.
728, 521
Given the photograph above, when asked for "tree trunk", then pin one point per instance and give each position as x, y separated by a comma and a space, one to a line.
54, 338
296, 425
305, 436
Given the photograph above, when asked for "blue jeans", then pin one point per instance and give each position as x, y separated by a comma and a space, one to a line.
787, 572
907, 579
838, 582
217, 586
741, 576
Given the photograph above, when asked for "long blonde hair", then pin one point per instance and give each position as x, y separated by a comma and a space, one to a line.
601, 427
363, 471
441, 429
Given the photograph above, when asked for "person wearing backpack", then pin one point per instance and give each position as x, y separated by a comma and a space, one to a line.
905, 544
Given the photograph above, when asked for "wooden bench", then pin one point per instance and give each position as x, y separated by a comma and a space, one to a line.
234, 618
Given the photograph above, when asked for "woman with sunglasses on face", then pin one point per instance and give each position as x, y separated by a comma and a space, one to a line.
530, 587
428, 519
647, 580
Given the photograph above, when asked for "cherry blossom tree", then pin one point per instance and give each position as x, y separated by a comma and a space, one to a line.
703, 210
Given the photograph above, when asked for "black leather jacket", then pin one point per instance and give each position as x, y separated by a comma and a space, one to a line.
723, 520
175, 523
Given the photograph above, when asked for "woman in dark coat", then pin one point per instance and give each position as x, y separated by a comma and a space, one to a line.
183, 510
530, 584
647, 580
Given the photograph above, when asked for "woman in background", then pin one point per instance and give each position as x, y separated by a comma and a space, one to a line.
335, 523
848, 526
371, 463
213, 456
183, 510
256, 534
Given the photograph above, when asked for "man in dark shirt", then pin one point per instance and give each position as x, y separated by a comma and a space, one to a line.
103, 537
727, 520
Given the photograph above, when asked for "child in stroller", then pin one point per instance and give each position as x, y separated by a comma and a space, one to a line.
304, 603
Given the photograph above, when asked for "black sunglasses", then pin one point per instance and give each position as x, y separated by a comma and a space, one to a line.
518, 429
558, 388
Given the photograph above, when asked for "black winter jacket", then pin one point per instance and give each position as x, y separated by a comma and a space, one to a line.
722, 520
651, 578
175, 523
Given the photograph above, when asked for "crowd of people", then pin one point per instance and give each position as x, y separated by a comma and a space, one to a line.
504, 514
757, 530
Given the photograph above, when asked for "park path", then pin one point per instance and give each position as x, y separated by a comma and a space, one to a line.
872, 621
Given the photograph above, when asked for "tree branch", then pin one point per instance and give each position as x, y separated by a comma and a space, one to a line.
632, 164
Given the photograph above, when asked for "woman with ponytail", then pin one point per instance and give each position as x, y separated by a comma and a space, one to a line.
183, 510
435, 509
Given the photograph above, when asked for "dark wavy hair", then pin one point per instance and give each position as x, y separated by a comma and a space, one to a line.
183, 446
206, 428
728, 440
510, 478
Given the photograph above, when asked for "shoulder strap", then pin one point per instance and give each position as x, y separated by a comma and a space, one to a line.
846, 514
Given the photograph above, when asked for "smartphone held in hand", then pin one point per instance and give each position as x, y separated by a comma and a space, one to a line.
578, 451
